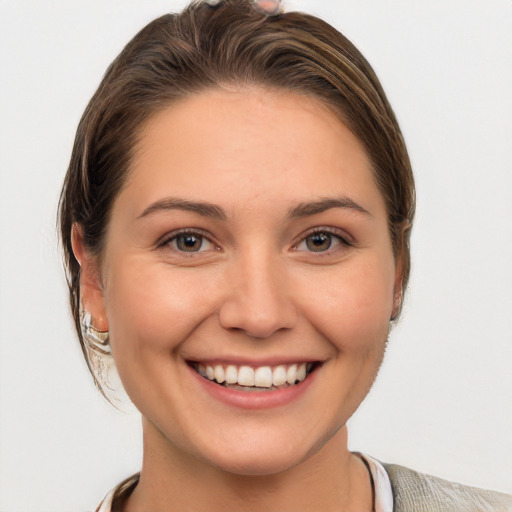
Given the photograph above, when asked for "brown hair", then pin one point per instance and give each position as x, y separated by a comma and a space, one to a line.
230, 44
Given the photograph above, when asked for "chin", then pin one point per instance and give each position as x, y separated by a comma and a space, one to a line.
264, 455
259, 463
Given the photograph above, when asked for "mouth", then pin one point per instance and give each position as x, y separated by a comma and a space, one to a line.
255, 378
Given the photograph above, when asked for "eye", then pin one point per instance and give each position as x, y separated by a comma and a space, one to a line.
320, 241
188, 242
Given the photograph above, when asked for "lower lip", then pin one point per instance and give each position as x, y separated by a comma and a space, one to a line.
255, 399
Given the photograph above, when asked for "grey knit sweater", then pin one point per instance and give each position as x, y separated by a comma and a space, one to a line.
416, 492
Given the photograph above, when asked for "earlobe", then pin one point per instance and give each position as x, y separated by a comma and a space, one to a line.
91, 289
397, 302
397, 292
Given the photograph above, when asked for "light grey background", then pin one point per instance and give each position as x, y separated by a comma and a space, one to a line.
443, 401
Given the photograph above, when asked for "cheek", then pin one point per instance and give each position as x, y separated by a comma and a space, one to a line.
353, 309
156, 306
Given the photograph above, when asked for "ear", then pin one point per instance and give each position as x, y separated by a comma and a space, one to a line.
398, 288
91, 288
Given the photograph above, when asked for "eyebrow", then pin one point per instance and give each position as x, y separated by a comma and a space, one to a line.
173, 203
211, 210
323, 204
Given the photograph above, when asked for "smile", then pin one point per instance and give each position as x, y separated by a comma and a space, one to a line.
261, 378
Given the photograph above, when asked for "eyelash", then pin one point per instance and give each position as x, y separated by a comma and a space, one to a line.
196, 233
199, 234
332, 233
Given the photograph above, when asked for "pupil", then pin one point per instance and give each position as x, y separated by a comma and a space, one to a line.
189, 243
318, 242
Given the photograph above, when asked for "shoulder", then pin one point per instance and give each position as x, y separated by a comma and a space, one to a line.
416, 492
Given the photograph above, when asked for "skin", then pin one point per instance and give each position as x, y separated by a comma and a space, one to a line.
254, 291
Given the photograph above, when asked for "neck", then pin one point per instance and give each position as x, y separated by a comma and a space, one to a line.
333, 479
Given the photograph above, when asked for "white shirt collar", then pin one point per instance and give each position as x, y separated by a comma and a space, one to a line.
381, 485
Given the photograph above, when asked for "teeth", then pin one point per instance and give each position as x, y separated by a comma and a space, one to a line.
301, 372
246, 376
261, 377
231, 374
291, 374
219, 374
279, 376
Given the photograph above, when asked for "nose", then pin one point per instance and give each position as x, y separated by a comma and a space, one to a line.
259, 302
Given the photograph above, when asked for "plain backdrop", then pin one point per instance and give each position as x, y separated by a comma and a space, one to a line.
443, 401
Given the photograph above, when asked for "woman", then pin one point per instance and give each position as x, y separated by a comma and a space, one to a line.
236, 220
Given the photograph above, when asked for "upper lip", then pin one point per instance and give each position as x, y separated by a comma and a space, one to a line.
274, 361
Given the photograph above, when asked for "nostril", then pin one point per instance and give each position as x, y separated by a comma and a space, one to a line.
257, 322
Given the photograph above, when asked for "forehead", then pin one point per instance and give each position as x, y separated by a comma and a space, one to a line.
251, 146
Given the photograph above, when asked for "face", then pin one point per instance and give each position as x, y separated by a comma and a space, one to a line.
247, 280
